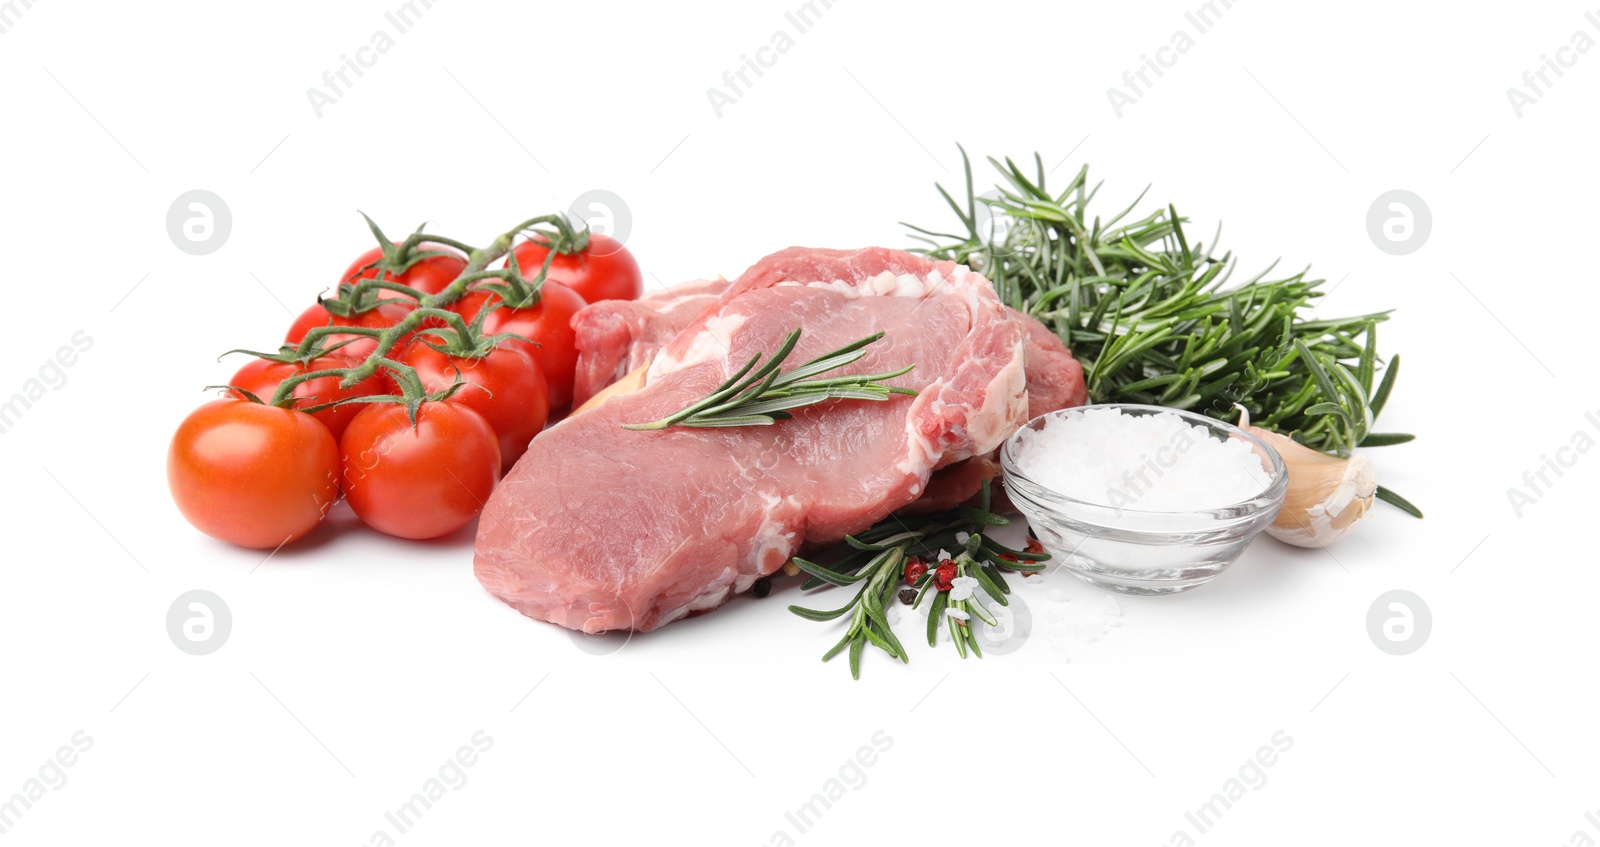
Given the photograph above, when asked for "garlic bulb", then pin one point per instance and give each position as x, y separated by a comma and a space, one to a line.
1327, 495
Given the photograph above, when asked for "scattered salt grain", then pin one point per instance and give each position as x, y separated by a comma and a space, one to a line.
962, 588
957, 614
1148, 463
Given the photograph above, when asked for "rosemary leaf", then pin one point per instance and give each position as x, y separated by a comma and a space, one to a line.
1398, 502
814, 615
935, 614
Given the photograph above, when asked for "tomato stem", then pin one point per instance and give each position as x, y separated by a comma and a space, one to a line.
284, 398
428, 306
482, 257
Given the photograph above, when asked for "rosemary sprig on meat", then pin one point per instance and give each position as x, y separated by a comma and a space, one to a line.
1149, 313
762, 396
898, 549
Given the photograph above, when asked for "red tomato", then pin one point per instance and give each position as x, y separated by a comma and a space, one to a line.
430, 276
548, 324
506, 387
604, 270
423, 481
261, 377
382, 316
251, 474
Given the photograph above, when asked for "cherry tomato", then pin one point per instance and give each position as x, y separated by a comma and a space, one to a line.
261, 377
251, 474
419, 481
548, 323
506, 387
430, 275
381, 316
604, 270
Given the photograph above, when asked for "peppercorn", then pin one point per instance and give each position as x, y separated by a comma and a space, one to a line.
945, 575
915, 568
762, 587
907, 595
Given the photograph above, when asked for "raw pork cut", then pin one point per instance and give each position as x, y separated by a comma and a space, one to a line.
615, 337
1055, 379
599, 528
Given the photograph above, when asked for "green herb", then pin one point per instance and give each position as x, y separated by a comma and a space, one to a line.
762, 397
877, 557
1149, 313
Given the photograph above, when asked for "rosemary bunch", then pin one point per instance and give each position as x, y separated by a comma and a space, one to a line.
1150, 314
895, 550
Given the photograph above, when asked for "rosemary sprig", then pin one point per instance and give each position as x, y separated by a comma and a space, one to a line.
877, 557
762, 396
1150, 314
972, 562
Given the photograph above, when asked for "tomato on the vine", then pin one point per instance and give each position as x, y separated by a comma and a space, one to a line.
506, 387
261, 377
548, 324
429, 275
252, 474
423, 480
381, 316
603, 270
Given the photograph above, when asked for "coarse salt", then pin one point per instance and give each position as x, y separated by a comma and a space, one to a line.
1148, 463
962, 588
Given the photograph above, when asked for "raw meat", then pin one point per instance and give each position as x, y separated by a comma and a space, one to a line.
1055, 379
600, 528
615, 337
956, 484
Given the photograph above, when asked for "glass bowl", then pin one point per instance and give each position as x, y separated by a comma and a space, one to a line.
1131, 551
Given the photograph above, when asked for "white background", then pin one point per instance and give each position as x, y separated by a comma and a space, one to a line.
358, 664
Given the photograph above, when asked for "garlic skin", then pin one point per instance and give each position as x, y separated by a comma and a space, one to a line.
1326, 496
